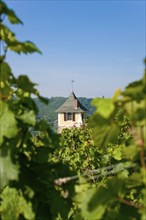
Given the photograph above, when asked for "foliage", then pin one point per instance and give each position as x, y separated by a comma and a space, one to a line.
27, 177
94, 172
15, 205
118, 130
116, 143
77, 149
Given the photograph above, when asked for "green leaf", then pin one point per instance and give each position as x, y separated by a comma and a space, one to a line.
105, 107
9, 171
5, 71
130, 152
23, 47
28, 103
13, 18
117, 153
116, 95
7, 35
31, 47
136, 90
105, 135
10, 13
14, 44
95, 202
41, 155
28, 117
41, 126
2, 57
25, 84
43, 100
14, 205
59, 206
8, 122
5, 87
136, 179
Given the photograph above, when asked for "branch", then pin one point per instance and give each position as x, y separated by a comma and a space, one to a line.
130, 203
111, 171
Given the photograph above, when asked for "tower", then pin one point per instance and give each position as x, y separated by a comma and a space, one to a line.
71, 113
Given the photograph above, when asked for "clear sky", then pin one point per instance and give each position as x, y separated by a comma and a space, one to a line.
100, 44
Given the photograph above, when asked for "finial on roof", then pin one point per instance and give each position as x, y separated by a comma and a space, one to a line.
72, 81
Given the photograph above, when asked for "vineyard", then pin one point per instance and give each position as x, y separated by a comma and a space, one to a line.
96, 172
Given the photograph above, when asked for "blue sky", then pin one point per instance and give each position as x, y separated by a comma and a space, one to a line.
100, 44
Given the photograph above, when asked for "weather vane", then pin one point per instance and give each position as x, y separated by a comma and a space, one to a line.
72, 81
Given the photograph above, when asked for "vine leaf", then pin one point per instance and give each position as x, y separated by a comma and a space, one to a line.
8, 122
9, 171
28, 117
15, 205
94, 202
105, 109
14, 44
10, 13
5, 71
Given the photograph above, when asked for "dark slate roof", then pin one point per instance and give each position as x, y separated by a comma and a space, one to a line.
68, 105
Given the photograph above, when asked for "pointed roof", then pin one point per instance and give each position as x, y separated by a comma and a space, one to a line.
72, 104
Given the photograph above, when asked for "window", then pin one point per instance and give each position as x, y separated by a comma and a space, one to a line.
83, 116
69, 116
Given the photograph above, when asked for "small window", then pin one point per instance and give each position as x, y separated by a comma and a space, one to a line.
69, 116
83, 116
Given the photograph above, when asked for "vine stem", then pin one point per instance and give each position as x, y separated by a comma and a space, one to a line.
130, 203
111, 171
